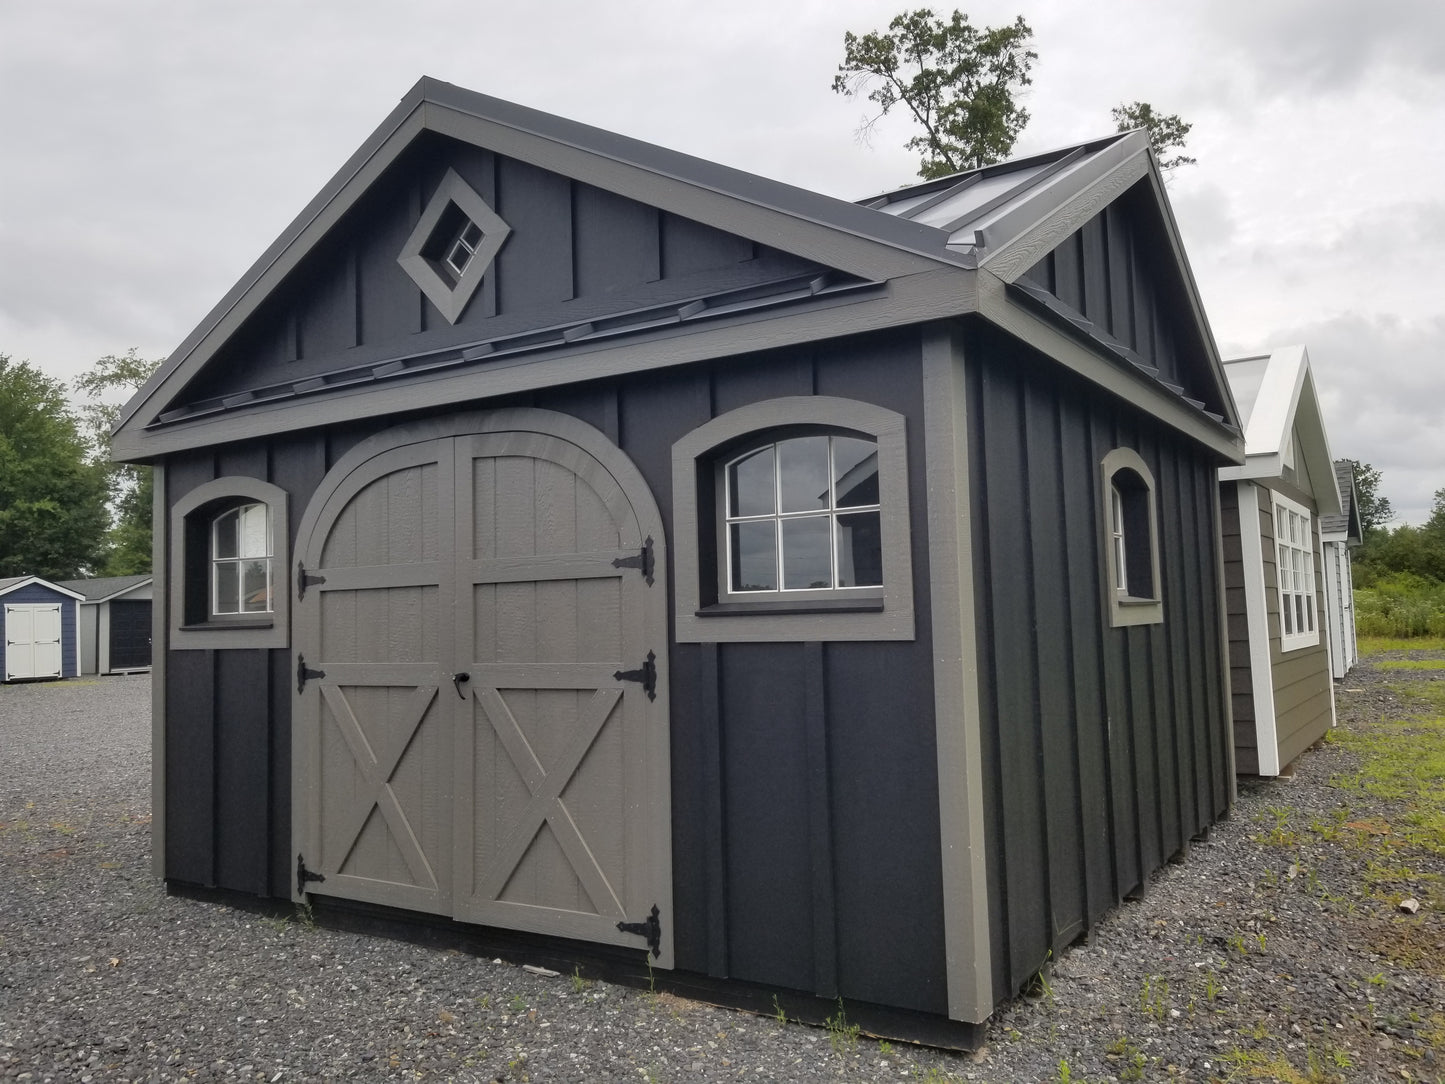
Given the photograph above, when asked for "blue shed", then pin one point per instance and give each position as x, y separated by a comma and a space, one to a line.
38, 622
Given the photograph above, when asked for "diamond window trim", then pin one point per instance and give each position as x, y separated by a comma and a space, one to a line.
466, 234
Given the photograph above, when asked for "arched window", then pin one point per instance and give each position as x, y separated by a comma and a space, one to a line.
228, 584
1131, 543
791, 523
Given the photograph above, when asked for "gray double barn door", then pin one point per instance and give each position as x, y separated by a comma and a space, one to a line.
469, 741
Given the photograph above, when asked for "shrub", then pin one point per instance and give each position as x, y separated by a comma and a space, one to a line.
1401, 604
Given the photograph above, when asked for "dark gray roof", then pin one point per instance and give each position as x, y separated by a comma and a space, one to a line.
1348, 521
104, 587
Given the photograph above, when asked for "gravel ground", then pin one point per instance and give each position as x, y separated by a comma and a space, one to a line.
1277, 951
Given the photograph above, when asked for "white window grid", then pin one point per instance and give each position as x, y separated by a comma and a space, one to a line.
1294, 555
248, 550
780, 517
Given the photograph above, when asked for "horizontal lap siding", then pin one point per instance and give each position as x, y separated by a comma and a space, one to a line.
1300, 679
1105, 749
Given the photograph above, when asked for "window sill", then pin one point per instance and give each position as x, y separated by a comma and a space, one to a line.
801, 606
249, 623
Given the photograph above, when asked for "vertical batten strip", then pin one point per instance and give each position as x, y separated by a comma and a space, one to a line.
957, 713
1221, 595
160, 645
820, 822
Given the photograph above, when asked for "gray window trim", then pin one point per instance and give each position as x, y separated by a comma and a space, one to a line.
1124, 609
887, 615
270, 630
451, 299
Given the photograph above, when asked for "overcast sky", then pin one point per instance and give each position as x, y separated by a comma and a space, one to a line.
153, 148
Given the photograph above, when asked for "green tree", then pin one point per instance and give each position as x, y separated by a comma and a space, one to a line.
958, 81
1436, 522
52, 493
109, 382
1374, 506
1166, 131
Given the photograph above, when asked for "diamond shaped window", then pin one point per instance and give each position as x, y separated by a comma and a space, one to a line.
455, 241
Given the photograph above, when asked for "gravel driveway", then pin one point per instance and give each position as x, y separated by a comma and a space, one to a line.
1268, 954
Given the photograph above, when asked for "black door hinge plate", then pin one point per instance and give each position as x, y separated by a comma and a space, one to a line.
305, 674
304, 875
649, 928
304, 580
647, 675
643, 561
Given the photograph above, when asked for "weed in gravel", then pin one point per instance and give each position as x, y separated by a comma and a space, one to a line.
1066, 1074
1154, 997
1128, 1057
517, 1005
842, 1036
778, 1014
578, 982
1258, 1065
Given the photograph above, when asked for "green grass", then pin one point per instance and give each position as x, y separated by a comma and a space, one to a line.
1403, 760
1374, 645
1411, 664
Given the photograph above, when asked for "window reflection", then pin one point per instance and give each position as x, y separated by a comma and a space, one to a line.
803, 515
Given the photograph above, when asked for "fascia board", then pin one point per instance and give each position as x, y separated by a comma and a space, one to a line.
1255, 467
840, 244
995, 305
1315, 443
939, 294
1023, 235
1191, 290
1272, 419
119, 594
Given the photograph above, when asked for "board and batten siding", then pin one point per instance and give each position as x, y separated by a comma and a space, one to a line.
783, 755
575, 252
1106, 749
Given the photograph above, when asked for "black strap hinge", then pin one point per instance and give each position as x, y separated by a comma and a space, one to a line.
649, 928
643, 561
304, 580
647, 675
304, 674
304, 875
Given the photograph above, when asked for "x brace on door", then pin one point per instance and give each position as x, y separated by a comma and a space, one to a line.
377, 767
546, 786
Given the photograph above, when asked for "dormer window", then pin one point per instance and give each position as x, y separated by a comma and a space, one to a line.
454, 242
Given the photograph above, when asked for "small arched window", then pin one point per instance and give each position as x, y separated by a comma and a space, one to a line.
228, 583
1131, 543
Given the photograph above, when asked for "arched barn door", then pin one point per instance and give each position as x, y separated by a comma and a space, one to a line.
480, 716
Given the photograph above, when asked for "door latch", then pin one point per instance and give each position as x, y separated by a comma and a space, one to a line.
457, 680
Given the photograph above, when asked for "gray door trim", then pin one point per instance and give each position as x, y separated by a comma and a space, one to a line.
521, 429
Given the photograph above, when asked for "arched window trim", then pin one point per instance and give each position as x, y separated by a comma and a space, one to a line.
706, 612
193, 622
1129, 523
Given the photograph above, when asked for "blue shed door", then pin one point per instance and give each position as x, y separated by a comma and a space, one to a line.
32, 640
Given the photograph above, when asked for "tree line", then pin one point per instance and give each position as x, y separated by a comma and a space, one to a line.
66, 511
1404, 550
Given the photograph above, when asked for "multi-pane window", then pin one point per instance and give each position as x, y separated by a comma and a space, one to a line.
803, 514
464, 247
1294, 553
1130, 542
241, 561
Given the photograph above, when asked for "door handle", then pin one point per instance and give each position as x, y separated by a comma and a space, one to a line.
457, 680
